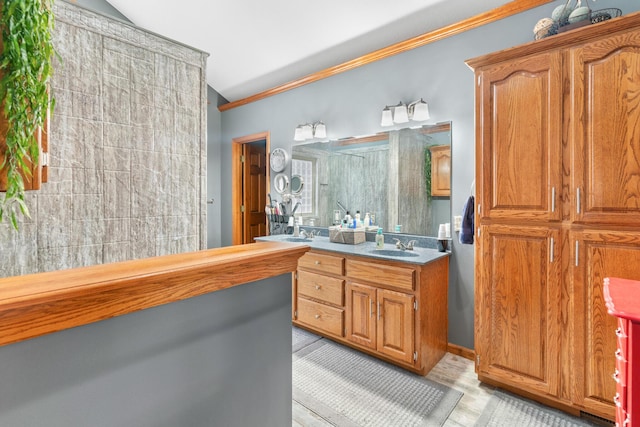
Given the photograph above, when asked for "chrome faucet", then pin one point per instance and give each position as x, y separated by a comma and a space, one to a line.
307, 234
405, 246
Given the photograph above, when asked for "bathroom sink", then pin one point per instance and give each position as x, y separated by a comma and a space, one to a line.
391, 252
297, 239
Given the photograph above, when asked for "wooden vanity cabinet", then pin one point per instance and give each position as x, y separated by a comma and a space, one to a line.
392, 310
558, 210
319, 293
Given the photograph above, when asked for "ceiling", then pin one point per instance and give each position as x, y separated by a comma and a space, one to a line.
255, 45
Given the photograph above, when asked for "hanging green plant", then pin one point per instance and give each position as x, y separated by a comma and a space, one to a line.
427, 171
26, 55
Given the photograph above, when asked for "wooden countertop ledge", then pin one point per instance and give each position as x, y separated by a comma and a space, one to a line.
42, 303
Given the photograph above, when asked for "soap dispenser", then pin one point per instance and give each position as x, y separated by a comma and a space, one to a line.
379, 239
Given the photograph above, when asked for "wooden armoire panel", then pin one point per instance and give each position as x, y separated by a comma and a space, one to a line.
521, 138
606, 138
517, 305
598, 254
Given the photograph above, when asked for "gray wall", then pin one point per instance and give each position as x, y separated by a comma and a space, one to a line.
127, 151
222, 359
351, 104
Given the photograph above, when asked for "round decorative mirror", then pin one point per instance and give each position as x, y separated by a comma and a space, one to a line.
296, 185
281, 183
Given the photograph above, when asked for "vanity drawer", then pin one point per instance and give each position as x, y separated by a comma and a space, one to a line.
398, 277
321, 316
320, 287
322, 263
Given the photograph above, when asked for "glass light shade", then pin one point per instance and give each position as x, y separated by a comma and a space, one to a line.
320, 130
420, 111
297, 136
400, 114
387, 117
307, 131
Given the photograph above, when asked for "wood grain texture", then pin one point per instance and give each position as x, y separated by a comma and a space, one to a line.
401, 329
321, 317
385, 274
38, 304
237, 180
323, 263
361, 314
606, 79
601, 254
520, 138
322, 288
484, 18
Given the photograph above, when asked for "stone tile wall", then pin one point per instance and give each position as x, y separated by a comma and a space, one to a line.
127, 168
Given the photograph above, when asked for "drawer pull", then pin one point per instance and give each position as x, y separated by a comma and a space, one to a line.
317, 316
370, 308
317, 262
317, 287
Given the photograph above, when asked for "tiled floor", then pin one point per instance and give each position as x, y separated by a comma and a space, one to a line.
453, 371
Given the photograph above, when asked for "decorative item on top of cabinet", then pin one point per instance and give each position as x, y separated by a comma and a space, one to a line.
558, 209
392, 310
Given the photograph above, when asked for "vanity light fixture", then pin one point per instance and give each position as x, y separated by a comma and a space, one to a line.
418, 111
310, 131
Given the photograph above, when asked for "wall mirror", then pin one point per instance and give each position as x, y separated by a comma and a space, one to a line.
281, 183
297, 185
400, 177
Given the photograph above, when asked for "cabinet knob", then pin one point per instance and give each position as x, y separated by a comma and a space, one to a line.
317, 287
317, 262
317, 316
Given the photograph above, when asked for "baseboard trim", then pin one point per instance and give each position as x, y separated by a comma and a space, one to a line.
461, 351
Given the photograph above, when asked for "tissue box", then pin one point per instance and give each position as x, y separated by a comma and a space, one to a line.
350, 236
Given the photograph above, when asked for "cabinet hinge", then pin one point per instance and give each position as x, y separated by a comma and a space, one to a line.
477, 360
241, 208
415, 305
44, 158
295, 314
295, 275
242, 159
415, 356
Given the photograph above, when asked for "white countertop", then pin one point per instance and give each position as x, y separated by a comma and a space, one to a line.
366, 249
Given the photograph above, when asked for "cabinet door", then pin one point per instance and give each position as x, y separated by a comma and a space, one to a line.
441, 171
361, 314
596, 255
518, 305
518, 152
395, 334
605, 131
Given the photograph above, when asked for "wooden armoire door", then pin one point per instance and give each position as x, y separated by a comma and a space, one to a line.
519, 151
597, 254
517, 307
605, 137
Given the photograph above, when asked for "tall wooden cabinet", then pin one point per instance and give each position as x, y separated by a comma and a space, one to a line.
558, 209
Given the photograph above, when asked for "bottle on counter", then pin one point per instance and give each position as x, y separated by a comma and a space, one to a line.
379, 239
367, 220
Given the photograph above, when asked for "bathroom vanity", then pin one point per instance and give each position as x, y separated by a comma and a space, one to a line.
388, 303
